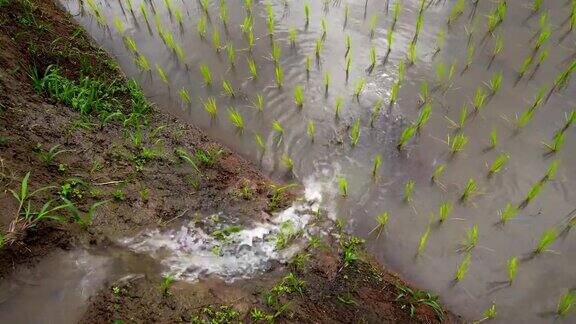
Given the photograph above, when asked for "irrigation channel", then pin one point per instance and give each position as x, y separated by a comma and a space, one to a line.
437, 64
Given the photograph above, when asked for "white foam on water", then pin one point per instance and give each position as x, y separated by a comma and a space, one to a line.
189, 252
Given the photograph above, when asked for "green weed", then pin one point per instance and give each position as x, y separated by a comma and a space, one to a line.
413, 299
165, 285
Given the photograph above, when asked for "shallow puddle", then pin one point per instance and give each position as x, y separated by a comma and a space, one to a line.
540, 281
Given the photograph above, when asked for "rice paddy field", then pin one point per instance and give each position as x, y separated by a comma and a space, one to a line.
441, 132
453, 117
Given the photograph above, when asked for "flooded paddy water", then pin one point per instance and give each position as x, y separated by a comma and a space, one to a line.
320, 148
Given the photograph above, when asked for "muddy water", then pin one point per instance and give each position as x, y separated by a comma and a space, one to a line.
540, 281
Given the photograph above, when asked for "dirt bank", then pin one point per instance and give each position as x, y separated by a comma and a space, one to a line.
111, 165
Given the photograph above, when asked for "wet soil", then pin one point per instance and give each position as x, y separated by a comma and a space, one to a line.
145, 194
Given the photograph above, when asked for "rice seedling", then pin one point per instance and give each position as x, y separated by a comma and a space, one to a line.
287, 162
277, 127
276, 53
236, 118
252, 68
324, 29
210, 107
311, 129
423, 240
564, 76
565, 303
462, 119
396, 13
162, 74
424, 92
457, 143
185, 96
228, 89
551, 170
462, 268
48, 156
307, 13
547, 238
556, 144
348, 44
479, 99
570, 119
444, 212
178, 15
498, 46
318, 48
144, 12
204, 5
216, 40
412, 53
525, 118
279, 74
440, 41
359, 87
508, 213
326, 82
493, 138
250, 40
390, 39
381, 220
348, 64
498, 164
401, 70
292, 33
260, 142
525, 65
259, 104
394, 92
512, 266
308, 65
343, 186
231, 54
424, 116
406, 136
438, 171
470, 189
536, 5
542, 38
119, 26
298, 96
373, 22
142, 63
533, 193
489, 313
572, 16
372, 58
375, 111
456, 11
471, 239
355, 132
201, 27
206, 74
409, 190
224, 16
246, 25
495, 83
338, 105
419, 24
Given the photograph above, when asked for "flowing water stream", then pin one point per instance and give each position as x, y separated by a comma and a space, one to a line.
541, 279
